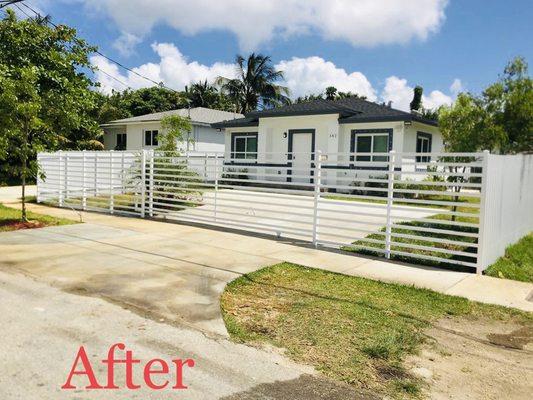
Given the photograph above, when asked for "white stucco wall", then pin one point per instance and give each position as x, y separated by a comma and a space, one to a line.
206, 139
331, 138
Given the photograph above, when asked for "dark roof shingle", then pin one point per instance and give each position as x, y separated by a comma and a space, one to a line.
350, 110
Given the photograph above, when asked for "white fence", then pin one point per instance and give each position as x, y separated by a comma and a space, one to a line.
435, 209
508, 203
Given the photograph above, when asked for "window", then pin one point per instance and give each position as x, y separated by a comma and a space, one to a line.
245, 146
371, 143
122, 141
423, 145
150, 138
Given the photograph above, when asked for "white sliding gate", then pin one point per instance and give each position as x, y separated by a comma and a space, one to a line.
427, 209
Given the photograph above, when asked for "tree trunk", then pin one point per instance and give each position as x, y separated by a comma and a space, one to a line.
24, 216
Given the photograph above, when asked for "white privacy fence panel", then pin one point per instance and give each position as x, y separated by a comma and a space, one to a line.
508, 204
435, 209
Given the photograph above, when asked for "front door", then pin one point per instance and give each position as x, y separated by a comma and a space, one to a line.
301, 157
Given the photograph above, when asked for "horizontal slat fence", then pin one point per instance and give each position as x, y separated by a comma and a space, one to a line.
418, 208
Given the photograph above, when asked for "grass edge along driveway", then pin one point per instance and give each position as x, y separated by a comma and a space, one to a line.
10, 220
351, 329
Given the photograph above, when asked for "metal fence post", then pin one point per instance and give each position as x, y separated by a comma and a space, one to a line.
143, 183
39, 180
60, 183
111, 196
96, 173
482, 212
318, 182
206, 160
216, 184
390, 202
151, 186
122, 176
83, 190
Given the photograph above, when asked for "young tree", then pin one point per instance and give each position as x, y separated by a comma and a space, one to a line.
180, 182
255, 85
45, 97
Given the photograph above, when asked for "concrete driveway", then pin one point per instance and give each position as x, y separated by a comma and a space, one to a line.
292, 216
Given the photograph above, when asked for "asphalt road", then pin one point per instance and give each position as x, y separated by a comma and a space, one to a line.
42, 328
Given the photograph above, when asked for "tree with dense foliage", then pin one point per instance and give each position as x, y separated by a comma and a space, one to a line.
416, 103
203, 94
331, 93
256, 85
45, 97
500, 119
132, 103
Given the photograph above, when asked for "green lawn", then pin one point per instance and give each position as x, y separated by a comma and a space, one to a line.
517, 263
10, 220
351, 329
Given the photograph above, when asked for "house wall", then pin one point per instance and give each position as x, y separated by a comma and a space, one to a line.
206, 139
110, 136
331, 138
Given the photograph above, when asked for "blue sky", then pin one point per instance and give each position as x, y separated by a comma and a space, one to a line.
381, 48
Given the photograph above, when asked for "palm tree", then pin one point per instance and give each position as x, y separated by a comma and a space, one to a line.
201, 94
255, 86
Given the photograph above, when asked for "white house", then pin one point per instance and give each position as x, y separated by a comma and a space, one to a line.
141, 132
288, 136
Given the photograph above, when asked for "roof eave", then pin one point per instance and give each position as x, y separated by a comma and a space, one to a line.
392, 118
266, 114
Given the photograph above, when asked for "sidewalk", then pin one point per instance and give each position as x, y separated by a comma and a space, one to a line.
269, 251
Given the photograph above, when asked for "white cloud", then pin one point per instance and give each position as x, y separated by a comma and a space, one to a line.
456, 87
314, 74
254, 22
173, 69
125, 44
302, 76
400, 93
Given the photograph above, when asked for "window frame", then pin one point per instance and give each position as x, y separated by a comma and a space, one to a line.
244, 135
424, 136
154, 134
121, 148
356, 133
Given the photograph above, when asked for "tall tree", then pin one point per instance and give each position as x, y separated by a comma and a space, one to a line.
416, 103
331, 93
45, 96
500, 119
203, 94
255, 85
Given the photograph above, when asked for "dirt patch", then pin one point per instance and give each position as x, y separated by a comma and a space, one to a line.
481, 360
516, 339
306, 387
15, 225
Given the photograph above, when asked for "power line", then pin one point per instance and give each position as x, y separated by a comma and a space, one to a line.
22, 11
112, 77
5, 3
160, 84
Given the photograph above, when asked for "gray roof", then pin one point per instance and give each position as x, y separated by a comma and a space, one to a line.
350, 110
199, 115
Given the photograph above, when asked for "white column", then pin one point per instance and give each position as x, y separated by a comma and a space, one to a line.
318, 182
143, 182
482, 214
390, 202
83, 189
